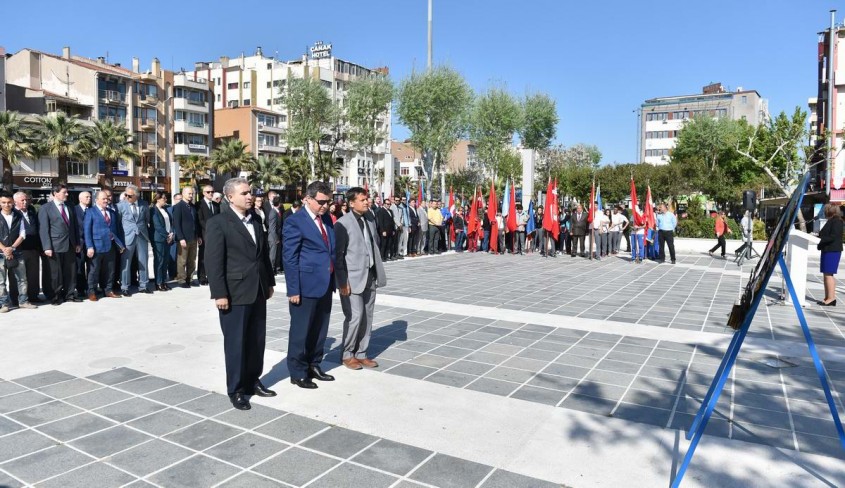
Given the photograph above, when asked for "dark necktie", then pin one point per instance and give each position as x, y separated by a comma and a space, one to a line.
64, 214
326, 240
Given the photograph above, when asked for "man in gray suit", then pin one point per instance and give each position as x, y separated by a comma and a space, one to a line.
359, 272
134, 216
60, 241
422, 212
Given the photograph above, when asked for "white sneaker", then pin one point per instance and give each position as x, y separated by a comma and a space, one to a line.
27, 305
4, 309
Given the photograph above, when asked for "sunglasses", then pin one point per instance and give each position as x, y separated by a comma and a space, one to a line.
208, 192
321, 202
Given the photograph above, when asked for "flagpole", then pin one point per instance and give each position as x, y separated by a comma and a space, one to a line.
590, 217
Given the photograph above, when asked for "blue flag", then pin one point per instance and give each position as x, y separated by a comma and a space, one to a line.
598, 198
529, 227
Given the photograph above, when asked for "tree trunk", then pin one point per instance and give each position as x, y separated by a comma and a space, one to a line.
62, 174
108, 174
7, 175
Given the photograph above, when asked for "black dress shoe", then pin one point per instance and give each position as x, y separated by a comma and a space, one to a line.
57, 301
185, 285
318, 374
203, 282
239, 401
262, 391
146, 291
75, 299
166, 287
304, 383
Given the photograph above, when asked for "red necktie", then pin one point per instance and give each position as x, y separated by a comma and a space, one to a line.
325, 239
106, 216
64, 215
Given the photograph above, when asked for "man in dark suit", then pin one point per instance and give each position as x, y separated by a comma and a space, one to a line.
60, 241
30, 251
579, 230
206, 209
386, 227
186, 227
103, 239
359, 273
309, 257
241, 281
81, 260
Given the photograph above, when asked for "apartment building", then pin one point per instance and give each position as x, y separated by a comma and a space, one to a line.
407, 161
661, 119
827, 124
168, 114
248, 104
2, 79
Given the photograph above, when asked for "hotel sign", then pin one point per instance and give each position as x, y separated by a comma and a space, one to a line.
321, 51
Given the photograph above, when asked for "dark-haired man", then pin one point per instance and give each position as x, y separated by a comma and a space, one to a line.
60, 241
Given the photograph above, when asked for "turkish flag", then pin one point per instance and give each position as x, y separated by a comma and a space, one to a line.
492, 206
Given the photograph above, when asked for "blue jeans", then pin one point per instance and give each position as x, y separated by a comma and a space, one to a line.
459, 240
20, 276
485, 242
637, 248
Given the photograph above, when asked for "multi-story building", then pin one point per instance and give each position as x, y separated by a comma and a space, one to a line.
661, 119
169, 114
249, 105
827, 122
408, 162
2, 79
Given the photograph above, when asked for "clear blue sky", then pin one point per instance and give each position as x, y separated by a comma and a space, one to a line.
598, 60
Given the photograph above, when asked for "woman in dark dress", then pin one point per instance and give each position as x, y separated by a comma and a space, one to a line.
830, 244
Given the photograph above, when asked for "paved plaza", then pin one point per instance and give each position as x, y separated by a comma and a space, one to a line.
495, 371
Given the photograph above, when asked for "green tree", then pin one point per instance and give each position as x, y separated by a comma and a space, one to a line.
266, 173
63, 138
110, 142
400, 184
14, 143
328, 167
434, 106
312, 115
195, 167
294, 170
495, 118
539, 123
573, 167
466, 180
232, 157
367, 107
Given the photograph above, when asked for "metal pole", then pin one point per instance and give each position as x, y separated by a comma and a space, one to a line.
429, 32
830, 92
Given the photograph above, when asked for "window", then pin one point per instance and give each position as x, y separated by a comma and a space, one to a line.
219, 80
268, 140
269, 65
77, 168
232, 86
219, 97
278, 101
246, 102
186, 138
196, 119
232, 104
267, 120
279, 82
404, 171
269, 102
246, 84
268, 84
744, 99
326, 84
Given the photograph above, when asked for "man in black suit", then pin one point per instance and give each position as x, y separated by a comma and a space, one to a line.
309, 255
186, 227
30, 251
385, 226
60, 241
206, 209
579, 230
240, 279
81, 261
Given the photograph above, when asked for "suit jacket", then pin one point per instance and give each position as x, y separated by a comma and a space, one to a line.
100, 235
80, 219
134, 227
204, 214
185, 222
238, 268
384, 221
579, 223
158, 228
274, 225
56, 235
353, 256
422, 214
307, 260
32, 242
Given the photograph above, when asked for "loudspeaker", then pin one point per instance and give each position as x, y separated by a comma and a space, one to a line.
749, 200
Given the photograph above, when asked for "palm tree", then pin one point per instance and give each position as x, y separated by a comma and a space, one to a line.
400, 184
195, 167
267, 172
328, 167
232, 157
295, 170
110, 142
61, 137
14, 142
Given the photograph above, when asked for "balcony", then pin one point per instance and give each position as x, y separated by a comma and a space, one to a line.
146, 125
190, 149
114, 120
148, 100
147, 147
190, 105
272, 129
148, 76
188, 82
110, 96
190, 127
272, 149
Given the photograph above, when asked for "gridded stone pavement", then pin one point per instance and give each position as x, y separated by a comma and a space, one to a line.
125, 428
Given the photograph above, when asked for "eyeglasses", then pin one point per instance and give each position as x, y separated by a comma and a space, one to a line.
322, 202
212, 191
130, 196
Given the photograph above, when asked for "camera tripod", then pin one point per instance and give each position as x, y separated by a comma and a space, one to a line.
746, 251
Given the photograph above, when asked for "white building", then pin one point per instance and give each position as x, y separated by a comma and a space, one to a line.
257, 80
663, 118
2, 79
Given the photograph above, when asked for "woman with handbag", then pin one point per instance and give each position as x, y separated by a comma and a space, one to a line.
830, 244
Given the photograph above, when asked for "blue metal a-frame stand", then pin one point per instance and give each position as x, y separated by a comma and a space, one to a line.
712, 397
